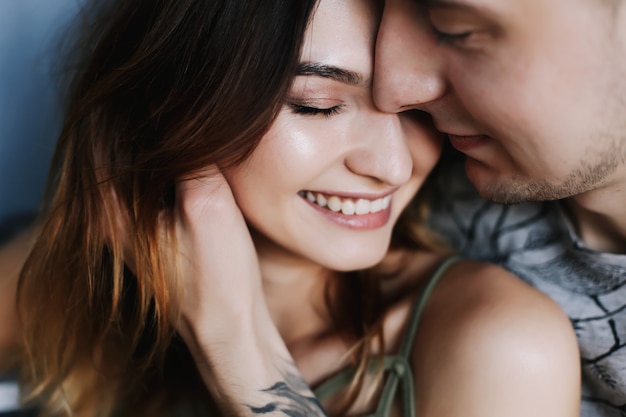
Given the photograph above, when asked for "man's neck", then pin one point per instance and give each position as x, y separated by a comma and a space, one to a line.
599, 218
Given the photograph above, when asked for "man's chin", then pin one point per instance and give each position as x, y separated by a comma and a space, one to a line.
511, 189
487, 182
519, 190
502, 196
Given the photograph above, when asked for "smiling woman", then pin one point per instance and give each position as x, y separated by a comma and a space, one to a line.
216, 245
333, 152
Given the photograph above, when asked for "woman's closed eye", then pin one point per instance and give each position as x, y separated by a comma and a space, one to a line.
450, 38
309, 110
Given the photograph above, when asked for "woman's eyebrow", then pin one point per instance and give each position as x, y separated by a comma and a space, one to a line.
449, 4
328, 71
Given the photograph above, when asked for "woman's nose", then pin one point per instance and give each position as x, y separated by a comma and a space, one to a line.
381, 150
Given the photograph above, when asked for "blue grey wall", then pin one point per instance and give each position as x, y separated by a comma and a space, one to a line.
30, 32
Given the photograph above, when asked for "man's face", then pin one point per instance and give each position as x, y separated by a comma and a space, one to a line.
532, 91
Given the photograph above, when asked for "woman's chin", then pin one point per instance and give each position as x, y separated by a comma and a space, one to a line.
365, 259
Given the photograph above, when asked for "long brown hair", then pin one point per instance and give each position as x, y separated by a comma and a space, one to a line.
164, 88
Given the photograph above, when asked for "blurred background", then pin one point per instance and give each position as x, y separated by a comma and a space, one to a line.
32, 36
32, 33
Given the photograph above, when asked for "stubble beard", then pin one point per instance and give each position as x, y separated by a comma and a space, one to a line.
594, 170
587, 177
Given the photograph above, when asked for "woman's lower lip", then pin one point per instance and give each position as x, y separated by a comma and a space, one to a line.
468, 143
355, 221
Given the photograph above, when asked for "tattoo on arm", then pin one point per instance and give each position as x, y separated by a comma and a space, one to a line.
291, 397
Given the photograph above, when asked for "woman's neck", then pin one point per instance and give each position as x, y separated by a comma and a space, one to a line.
294, 290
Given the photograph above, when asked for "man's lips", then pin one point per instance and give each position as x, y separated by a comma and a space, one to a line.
468, 143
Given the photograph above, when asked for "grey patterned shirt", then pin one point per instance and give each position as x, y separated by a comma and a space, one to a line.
535, 241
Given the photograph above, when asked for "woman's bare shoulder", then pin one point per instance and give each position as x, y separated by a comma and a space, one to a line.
489, 344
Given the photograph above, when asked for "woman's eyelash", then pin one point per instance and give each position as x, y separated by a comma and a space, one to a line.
308, 110
450, 38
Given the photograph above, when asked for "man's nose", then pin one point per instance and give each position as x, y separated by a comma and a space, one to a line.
407, 70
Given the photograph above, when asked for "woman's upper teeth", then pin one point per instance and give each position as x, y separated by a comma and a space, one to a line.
349, 206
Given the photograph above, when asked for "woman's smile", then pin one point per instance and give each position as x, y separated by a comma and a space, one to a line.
354, 213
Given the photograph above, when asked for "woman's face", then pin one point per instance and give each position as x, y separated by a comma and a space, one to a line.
330, 178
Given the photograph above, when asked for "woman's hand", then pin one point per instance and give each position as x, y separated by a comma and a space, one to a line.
225, 319
217, 258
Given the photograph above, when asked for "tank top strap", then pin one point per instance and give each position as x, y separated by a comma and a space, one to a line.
398, 365
420, 303
402, 374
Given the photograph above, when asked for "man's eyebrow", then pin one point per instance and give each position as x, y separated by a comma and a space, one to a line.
332, 72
